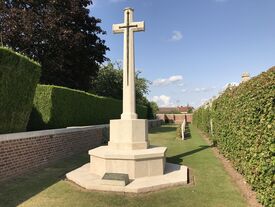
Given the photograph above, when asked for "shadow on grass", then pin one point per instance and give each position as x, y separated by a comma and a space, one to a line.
22, 188
164, 128
187, 133
177, 159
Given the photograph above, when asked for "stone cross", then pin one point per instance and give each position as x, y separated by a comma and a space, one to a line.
128, 28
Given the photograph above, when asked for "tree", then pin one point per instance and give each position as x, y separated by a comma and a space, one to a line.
109, 82
59, 34
154, 107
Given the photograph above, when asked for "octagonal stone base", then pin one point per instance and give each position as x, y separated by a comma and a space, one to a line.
174, 175
135, 163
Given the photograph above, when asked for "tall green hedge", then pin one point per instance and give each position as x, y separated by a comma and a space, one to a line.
201, 119
244, 128
18, 79
58, 107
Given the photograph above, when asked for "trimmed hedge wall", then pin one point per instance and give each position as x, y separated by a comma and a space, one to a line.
18, 79
244, 129
59, 107
201, 119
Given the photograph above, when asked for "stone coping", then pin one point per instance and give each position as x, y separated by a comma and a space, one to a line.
24, 135
109, 153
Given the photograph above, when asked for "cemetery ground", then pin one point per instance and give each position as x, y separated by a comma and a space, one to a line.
210, 185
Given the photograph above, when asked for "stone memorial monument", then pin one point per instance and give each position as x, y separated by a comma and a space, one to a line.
245, 77
128, 156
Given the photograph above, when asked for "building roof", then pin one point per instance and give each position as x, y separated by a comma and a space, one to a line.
182, 109
185, 109
163, 110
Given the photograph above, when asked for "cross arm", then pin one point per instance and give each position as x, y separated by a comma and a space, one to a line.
140, 26
117, 28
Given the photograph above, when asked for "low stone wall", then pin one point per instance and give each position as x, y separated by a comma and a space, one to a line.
23, 152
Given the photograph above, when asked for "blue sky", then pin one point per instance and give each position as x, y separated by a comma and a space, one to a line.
192, 48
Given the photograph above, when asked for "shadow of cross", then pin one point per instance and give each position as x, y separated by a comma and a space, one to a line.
177, 159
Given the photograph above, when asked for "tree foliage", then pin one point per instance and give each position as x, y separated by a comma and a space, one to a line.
109, 83
59, 34
152, 109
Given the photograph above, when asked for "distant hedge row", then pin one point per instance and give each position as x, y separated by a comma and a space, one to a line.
58, 107
244, 128
201, 118
18, 79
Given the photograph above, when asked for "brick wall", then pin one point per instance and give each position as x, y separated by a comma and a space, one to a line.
178, 118
175, 118
189, 118
23, 152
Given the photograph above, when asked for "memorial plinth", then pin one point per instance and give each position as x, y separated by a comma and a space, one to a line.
128, 151
129, 134
135, 163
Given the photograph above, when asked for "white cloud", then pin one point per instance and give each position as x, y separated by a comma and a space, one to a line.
167, 81
230, 84
200, 89
184, 90
176, 36
162, 100
203, 101
204, 89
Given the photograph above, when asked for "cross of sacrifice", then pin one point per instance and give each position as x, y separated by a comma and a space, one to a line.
128, 28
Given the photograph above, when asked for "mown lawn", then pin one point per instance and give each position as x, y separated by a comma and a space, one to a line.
212, 187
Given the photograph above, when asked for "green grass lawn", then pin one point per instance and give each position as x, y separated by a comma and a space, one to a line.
212, 186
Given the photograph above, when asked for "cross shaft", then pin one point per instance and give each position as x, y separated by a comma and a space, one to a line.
128, 28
